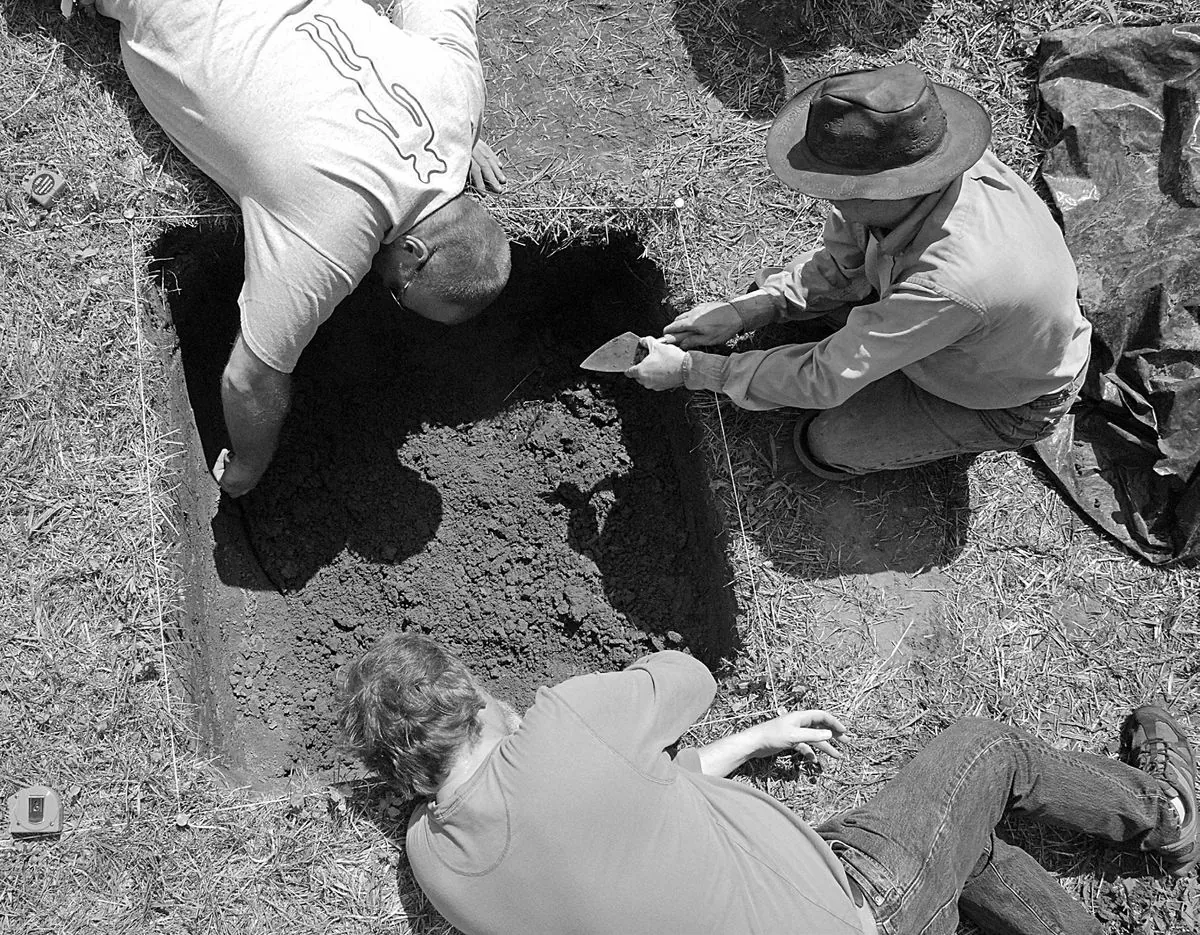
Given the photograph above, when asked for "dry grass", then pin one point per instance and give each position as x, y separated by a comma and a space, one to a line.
1021, 612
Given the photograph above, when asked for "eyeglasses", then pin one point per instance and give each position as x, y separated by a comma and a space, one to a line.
398, 297
413, 255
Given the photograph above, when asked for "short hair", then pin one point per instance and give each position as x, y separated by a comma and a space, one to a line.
407, 707
471, 258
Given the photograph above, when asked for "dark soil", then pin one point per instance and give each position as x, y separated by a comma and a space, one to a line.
470, 482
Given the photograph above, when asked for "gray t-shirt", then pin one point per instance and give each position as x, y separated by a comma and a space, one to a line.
334, 131
579, 822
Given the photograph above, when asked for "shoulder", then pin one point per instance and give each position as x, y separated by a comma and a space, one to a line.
998, 208
622, 707
292, 284
994, 242
416, 839
666, 671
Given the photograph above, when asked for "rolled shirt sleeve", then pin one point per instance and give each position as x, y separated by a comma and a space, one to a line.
879, 338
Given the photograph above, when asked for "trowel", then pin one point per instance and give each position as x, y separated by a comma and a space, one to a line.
617, 355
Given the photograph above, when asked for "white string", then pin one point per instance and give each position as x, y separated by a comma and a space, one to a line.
147, 478
755, 616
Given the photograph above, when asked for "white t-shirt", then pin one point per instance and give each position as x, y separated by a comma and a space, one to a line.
333, 130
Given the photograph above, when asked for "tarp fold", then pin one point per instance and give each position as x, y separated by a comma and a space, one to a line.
1125, 175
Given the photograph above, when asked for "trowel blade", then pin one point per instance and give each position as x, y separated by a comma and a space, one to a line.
617, 355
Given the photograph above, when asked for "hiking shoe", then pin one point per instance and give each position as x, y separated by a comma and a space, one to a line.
1156, 743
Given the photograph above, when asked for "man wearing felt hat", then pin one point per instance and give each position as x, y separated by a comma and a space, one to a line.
944, 279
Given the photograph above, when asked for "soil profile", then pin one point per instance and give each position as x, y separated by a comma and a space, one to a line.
470, 482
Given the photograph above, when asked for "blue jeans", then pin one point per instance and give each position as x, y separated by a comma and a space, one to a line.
926, 845
893, 423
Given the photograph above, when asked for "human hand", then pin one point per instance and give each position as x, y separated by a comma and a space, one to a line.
235, 476
707, 323
661, 368
486, 173
802, 732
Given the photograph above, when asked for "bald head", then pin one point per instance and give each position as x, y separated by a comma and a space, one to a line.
468, 263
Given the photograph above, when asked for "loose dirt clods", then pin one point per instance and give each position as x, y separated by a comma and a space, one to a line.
471, 482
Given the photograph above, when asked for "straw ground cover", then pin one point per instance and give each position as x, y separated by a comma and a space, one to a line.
901, 602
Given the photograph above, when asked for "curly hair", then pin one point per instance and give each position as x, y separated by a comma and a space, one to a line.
406, 708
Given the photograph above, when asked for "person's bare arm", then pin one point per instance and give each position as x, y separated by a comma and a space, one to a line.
797, 731
256, 398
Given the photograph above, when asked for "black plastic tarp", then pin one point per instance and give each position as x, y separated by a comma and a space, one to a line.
1125, 173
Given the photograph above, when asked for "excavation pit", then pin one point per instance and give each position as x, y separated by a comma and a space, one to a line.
469, 482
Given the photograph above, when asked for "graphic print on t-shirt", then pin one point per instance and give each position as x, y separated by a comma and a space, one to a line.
380, 97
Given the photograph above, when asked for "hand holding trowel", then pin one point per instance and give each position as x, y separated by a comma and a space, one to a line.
655, 365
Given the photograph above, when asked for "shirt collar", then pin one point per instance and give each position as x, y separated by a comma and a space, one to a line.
898, 239
443, 811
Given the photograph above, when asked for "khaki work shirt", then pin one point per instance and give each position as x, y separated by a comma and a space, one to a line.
974, 301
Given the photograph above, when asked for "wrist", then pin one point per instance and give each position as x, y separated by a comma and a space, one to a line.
705, 371
756, 744
721, 757
737, 315
755, 309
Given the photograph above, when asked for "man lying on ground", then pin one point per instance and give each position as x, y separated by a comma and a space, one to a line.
580, 818
964, 333
347, 142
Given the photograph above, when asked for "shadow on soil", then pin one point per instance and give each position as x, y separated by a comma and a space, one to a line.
371, 801
736, 46
471, 482
867, 556
903, 522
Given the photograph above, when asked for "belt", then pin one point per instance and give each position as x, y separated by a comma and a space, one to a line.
1071, 389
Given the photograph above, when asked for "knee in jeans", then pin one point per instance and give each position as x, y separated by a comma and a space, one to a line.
980, 728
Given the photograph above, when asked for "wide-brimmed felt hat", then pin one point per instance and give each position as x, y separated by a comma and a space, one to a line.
887, 133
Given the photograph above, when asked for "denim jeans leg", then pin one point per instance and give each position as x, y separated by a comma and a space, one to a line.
893, 423
931, 831
1014, 895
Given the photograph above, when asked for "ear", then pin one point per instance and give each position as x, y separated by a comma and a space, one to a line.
413, 252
